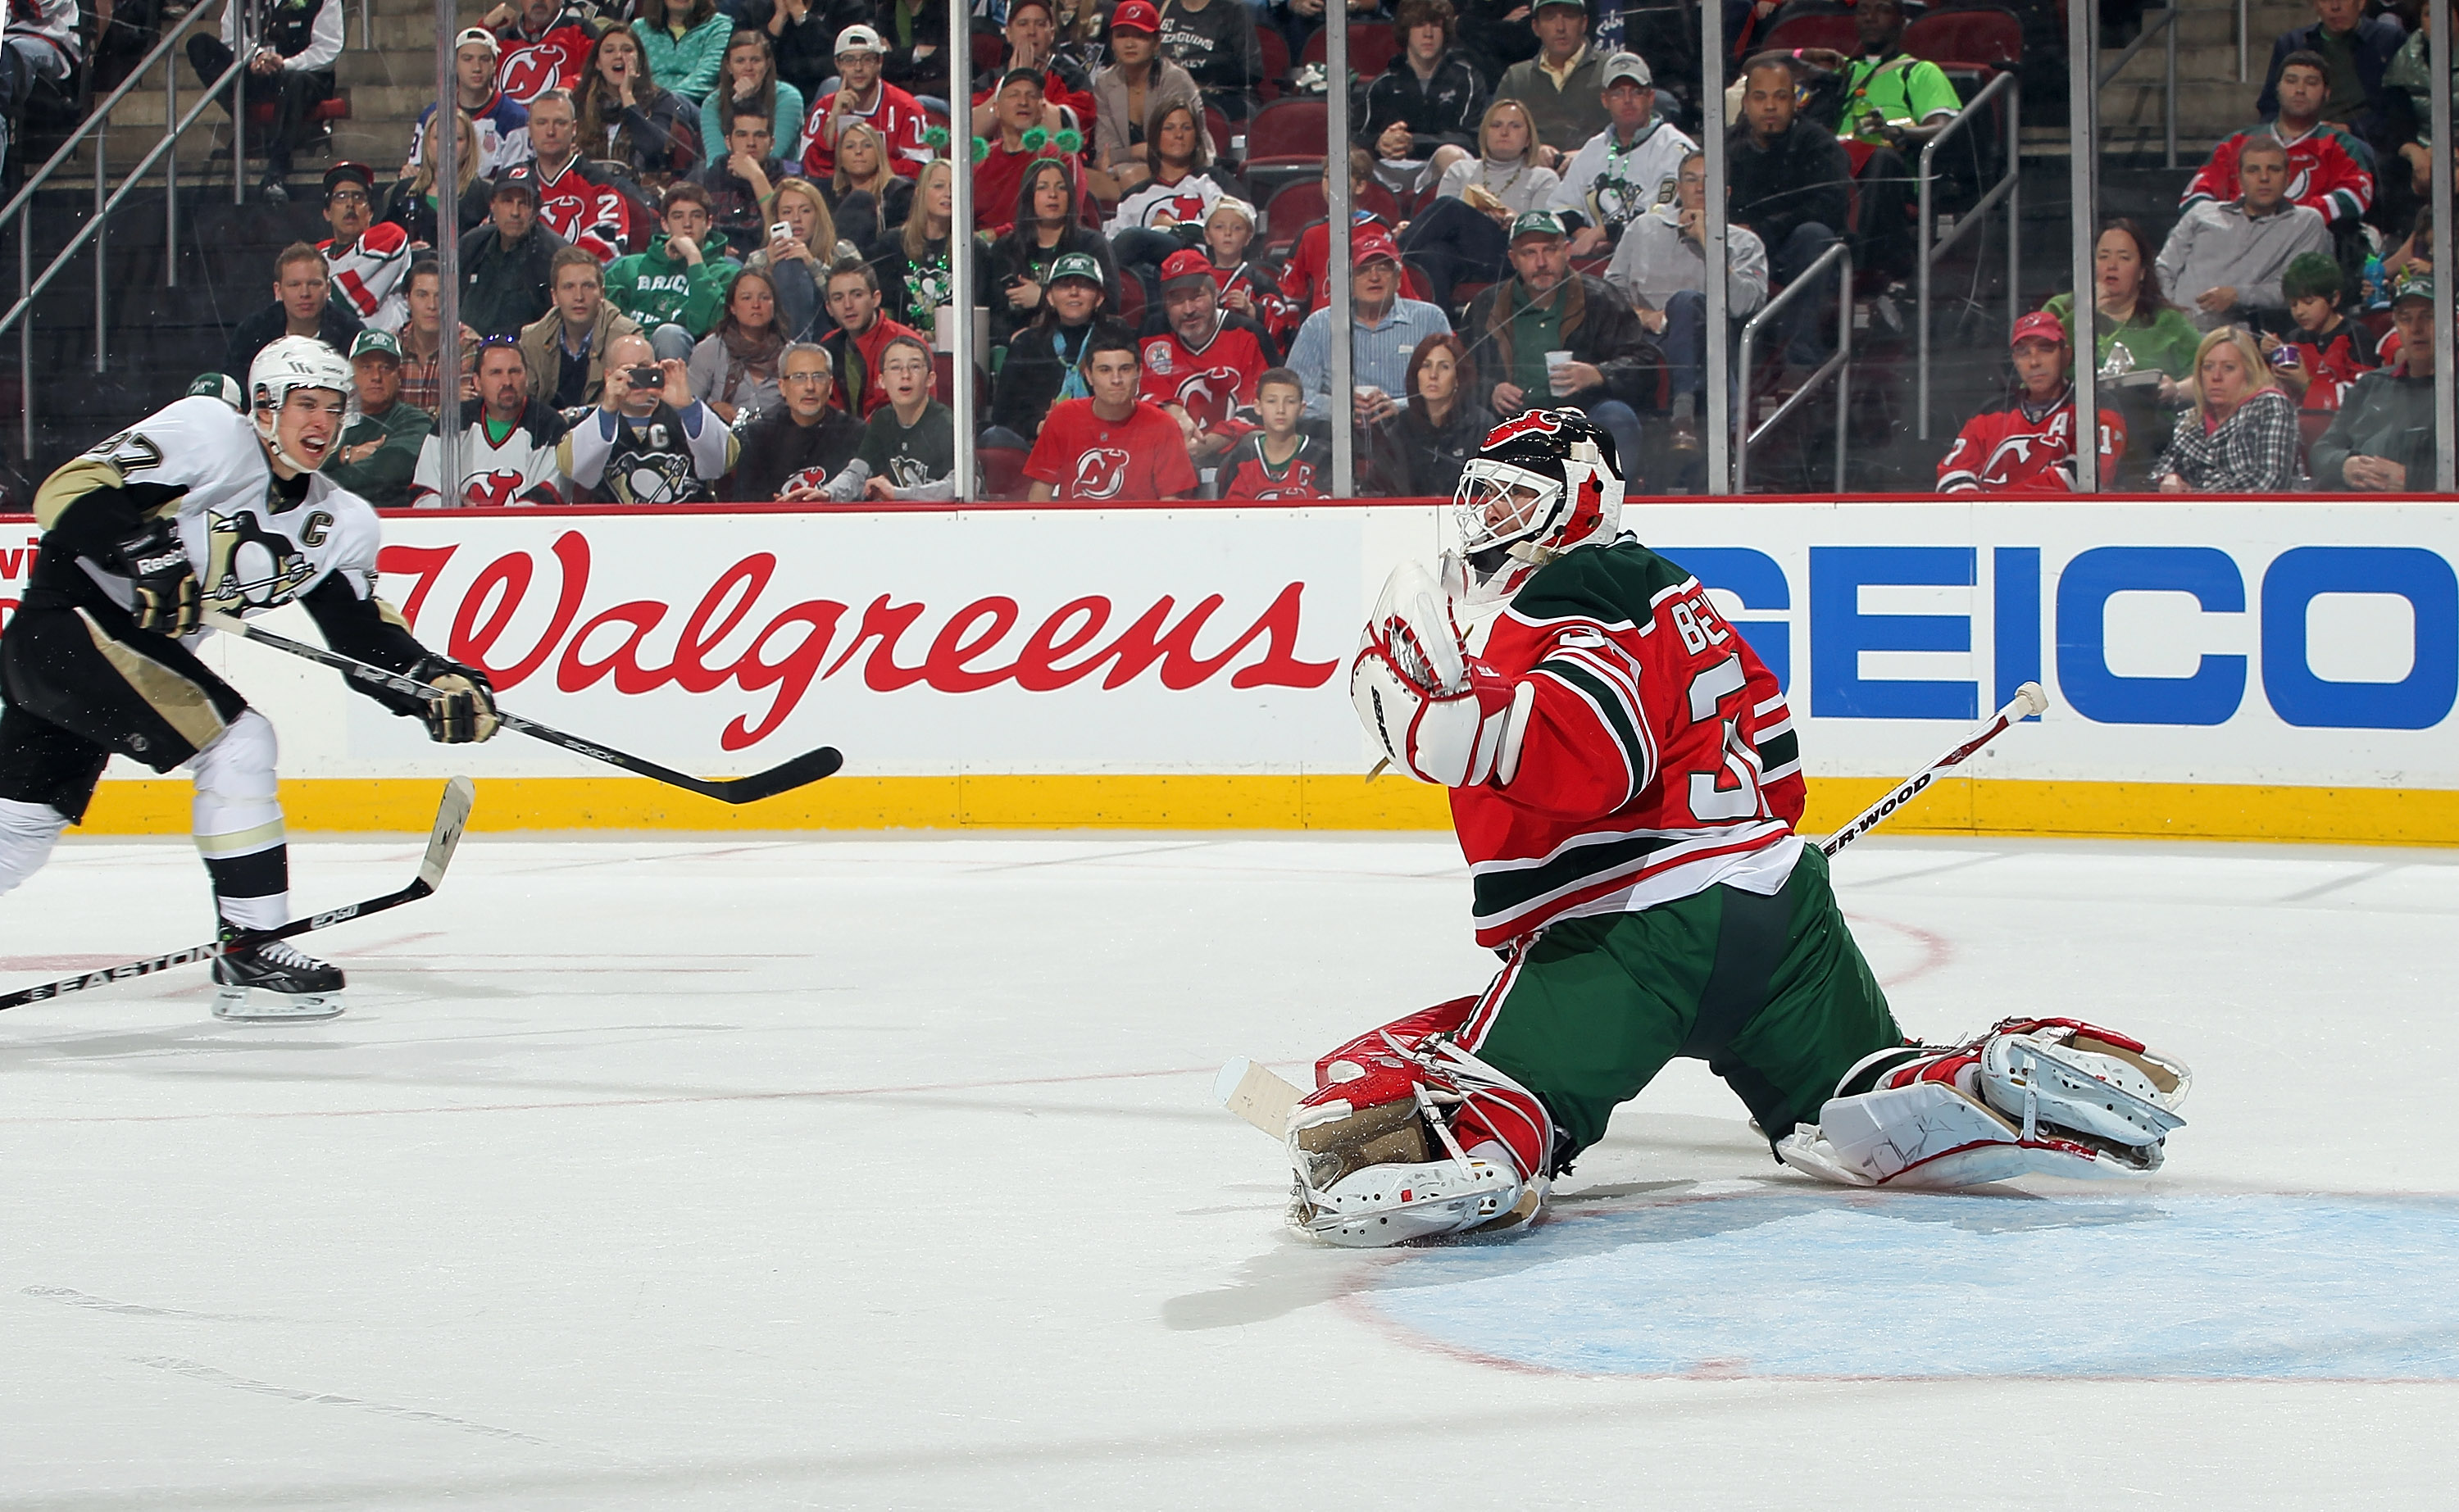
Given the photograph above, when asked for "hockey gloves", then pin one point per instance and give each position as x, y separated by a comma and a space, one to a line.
466, 710
156, 565
1439, 715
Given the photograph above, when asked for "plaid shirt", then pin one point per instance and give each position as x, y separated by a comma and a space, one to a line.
2252, 451
420, 378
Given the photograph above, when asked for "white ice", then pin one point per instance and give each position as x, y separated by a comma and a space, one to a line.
882, 1173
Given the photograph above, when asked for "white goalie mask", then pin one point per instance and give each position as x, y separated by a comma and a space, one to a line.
287, 363
1543, 483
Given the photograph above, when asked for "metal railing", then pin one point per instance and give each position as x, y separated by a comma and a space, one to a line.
2164, 24
1933, 246
1839, 365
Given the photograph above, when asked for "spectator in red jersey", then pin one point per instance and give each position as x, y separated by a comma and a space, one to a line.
2329, 169
545, 45
1276, 462
1306, 280
2322, 353
1112, 446
2027, 444
1201, 362
863, 96
577, 201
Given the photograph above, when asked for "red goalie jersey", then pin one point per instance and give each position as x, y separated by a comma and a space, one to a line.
2012, 450
1658, 757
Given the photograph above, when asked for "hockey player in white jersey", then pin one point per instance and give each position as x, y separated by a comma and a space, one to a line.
195, 508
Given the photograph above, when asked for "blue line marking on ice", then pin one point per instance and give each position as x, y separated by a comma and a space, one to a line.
1910, 1285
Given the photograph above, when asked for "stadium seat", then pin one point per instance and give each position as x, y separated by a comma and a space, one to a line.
1836, 32
1285, 141
320, 117
1300, 205
1217, 126
1003, 471
1982, 35
990, 51
1277, 63
1372, 46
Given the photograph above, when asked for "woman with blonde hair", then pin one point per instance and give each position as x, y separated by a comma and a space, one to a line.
625, 117
2243, 437
411, 205
871, 199
913, 278
798, 262
1465, 236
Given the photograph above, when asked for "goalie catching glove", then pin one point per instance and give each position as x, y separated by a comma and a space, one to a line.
466, 710
1440, 714
168, 601
2033, 1096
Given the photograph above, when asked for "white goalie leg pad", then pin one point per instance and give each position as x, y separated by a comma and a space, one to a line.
1390, 1205
2032, 1098
27, 831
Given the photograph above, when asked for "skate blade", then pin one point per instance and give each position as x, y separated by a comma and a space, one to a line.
252, 1005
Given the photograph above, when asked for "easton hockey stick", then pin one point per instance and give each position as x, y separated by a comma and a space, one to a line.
452, 817
785, 776
2028, 700
1264, 1098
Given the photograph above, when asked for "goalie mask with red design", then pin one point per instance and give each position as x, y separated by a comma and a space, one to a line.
1542, 484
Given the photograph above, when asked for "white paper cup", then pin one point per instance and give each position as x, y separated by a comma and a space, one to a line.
1555, 363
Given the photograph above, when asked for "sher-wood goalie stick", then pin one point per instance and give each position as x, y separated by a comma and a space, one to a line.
1264, 1098
452, 817
785, 777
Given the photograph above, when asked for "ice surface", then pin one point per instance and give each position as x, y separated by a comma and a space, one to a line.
882, 1173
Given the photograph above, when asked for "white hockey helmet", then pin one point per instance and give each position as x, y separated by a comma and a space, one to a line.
1543, 483
289, 362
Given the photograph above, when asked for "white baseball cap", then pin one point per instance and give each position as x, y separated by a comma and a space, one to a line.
859, 39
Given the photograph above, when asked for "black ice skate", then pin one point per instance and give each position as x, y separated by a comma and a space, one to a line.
268, 982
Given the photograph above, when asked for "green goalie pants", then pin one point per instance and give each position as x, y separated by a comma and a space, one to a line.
1770, 992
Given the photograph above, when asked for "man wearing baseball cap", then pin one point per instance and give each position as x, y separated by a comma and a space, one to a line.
863, 95
1138, 82
2026, 444
1627, 169
1554, 337
379, 450
1564, 85
366, 259
507, 265
1385, 329
1200, 361
291, 68
2383, 438
502, 123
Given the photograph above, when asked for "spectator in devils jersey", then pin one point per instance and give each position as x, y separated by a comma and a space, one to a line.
508, 441
2322, 353
2027, 444
789, 454
1244, 286
291, 68
1276, 460
576, 202
502, 125
863, 96
649, 441
1200, 361
300, 307
1113, 444
544, 46
2329, 171
565, 349
366, 259
862, 333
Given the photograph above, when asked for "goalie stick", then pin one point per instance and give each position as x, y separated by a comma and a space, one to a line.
783, 777
1264, 1099
452, 817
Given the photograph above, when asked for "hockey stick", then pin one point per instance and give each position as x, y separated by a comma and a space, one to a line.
809, 768
452, 817
1264, 1098
2028, 700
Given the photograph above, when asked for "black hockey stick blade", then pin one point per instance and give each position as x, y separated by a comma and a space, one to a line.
809, 768
452, 818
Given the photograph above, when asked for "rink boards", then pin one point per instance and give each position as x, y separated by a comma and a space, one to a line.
2282, 669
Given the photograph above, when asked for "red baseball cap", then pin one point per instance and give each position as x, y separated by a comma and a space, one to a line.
2039, 326
1136, 15
1371, 246
1187, 262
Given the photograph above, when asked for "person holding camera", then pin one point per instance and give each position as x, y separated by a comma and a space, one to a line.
649, 441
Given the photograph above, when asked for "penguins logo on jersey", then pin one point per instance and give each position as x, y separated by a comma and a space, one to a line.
907, 472
248, 567
1101, 473
652, 478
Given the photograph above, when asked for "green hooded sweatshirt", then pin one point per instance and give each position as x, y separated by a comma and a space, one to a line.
654, 289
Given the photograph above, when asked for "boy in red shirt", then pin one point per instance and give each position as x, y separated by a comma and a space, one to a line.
1113, 446
2323, 353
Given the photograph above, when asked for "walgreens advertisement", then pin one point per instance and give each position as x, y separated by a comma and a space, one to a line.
2301, 643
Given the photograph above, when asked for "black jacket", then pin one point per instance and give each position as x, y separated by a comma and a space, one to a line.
1008, 259
408, 209
1440, 111
928, 27
1599, 327
336, 327
1803, 178
1494, 43
1029, 380
504, 287
775, 448
1412, 457
806, 48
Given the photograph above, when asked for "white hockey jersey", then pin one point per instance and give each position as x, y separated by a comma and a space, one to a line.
666, 456
253, 547
1610, 185
511, 465
54, 21
503, 130
368, 275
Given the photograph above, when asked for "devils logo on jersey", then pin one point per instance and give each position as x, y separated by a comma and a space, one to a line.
491, 490
1101, 472
252, 568
529, 72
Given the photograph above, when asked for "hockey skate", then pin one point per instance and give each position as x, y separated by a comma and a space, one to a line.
270, 982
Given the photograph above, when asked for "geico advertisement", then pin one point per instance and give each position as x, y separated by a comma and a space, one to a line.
2304, 641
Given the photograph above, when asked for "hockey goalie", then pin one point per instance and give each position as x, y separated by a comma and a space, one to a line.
1625, 783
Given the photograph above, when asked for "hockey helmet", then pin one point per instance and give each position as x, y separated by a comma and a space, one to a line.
286, 363
1543, 483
